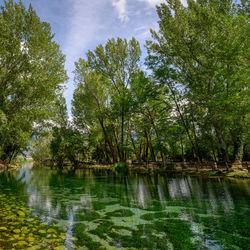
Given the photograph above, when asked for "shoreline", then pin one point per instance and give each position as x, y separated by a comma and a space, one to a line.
185, 172
242, 173
10, 168
142, 169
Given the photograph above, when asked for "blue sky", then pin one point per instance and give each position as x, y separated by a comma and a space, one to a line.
80, 25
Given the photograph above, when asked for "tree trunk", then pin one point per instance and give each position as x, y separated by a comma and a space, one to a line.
222, 145
182, 151
122, 135
128, 133
134, 147
106, 154
149, 143
239, 154
117, 144
141, 150
158, 138
214, 155
114, 157
9, 153
151, 148
195, 139
184, 124
146, 151
238, 158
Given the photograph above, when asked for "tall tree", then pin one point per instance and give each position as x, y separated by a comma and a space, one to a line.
31, 75
113, 66
201, 52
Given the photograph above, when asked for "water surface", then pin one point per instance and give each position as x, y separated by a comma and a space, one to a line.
94, 209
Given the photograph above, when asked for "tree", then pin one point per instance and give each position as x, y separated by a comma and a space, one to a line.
41, 147
67, 143
31, 75
103, 82
201, 54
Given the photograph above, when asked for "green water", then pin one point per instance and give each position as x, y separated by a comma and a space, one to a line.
93, 209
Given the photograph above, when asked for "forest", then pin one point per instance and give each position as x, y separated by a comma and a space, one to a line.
186, 101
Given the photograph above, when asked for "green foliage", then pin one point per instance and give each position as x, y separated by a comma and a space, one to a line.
31, 74
194, 106
41, 147
201, 54
121, 167
67, 144
103, 97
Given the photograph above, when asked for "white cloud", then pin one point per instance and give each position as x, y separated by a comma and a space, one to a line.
121, 8
140, 28
153, 3
143, 32
84, 25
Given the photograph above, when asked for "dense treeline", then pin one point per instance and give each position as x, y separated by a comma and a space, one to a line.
194, 105
191, 104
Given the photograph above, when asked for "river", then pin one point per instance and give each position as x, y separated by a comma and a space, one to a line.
95, 209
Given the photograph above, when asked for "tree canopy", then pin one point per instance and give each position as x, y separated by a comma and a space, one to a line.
190, 104
201, 52
31, 76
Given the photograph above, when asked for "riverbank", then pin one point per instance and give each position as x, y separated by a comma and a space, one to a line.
18, 163
8, 168
178, 168
222, 172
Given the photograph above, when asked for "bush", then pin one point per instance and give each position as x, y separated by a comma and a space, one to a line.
121, 167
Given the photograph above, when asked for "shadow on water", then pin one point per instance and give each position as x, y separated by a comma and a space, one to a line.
100, 209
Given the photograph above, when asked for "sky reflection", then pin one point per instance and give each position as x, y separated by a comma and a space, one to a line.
67, 199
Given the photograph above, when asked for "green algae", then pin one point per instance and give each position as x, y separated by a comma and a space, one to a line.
159, 215
228, 231
100, 211
88, 216
97, 205
178, 232
83, 239
20, 231
121, 213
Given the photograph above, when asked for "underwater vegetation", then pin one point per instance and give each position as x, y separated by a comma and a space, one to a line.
20, 230
100, 210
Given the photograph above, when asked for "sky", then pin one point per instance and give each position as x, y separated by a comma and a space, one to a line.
81, 25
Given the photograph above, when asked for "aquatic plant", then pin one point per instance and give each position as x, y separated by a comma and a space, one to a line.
20, 229
100, 211
83, 239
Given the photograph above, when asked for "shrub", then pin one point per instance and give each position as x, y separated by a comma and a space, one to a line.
121, 167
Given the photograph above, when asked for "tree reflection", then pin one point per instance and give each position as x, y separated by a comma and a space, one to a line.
92, 196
